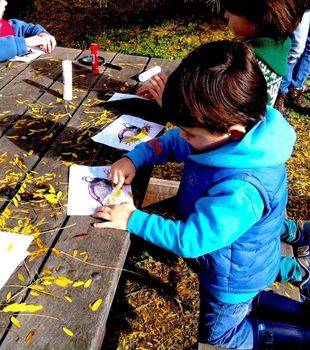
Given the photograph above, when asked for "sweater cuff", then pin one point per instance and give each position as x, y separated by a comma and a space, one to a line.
21, 47
136, 222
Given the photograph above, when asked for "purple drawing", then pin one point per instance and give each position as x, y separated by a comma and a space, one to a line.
98, 188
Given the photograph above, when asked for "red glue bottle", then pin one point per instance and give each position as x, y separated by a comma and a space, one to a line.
94, 50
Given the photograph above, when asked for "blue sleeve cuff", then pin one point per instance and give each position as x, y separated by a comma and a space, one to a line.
136, 222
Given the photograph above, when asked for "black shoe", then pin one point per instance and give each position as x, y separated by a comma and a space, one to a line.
298, 102
280, 103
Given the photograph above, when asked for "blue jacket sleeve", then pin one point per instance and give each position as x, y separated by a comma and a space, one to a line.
25, 30
229, 210
169, 147
11, 46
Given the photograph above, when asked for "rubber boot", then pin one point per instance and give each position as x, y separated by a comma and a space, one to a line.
279, 336
274, 307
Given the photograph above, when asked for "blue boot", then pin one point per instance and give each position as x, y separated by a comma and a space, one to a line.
279, 336
277, 308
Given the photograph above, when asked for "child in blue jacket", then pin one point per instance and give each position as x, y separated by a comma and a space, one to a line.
16, 36
233, 192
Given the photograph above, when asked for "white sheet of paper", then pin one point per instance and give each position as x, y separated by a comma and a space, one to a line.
34, 53
13, 250
88, 190
127, 131
119, 96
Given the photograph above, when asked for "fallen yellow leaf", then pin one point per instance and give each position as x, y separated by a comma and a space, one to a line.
95, 305
16, 322
68, 331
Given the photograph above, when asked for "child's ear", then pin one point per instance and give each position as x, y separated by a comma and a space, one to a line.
236, 132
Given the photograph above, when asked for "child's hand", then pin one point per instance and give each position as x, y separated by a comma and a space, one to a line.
154, 88
117, 216
122, 171
49, 42
45, 41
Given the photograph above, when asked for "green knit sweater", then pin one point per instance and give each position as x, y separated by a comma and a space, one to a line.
272, 57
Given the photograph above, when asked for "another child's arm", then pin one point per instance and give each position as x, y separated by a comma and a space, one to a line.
11, 46
228, 211
153, 89
33, 34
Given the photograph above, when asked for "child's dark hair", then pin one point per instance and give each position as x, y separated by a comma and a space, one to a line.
275, 19
217, 85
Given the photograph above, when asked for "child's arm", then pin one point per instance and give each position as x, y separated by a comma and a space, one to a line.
169, 147
25, 30
157, 151
11, 46
230, 209
33, 35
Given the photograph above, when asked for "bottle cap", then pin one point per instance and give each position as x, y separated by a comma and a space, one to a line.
94, 47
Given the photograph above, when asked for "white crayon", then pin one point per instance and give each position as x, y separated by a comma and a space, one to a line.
148, 74
67, 79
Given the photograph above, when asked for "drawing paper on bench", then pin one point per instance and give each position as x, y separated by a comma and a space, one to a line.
127, 131
89, 189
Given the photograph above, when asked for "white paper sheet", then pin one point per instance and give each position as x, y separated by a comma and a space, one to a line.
88, 190
127, 131
34, 53
119, 96
13, 250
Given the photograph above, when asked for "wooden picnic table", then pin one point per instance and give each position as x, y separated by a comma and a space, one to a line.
41, 135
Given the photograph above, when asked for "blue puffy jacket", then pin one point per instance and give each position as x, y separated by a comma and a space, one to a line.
232, 200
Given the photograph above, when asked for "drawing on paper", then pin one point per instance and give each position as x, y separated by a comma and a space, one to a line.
98, 188
127, 131
90, 188
131, 133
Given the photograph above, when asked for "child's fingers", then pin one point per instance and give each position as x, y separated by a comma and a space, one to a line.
106, 224
143, 89
121, 180
129, 179
161, 84
163, 77
114, 177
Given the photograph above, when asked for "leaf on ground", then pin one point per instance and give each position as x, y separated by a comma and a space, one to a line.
95, 305
22, 307
88, 283
16, 322
29, 336
21, 277
68, 331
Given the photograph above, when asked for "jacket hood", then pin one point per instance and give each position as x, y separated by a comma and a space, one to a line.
273, 53
269, 143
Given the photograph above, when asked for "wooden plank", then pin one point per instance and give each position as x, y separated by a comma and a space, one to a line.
159, 190
30, 84
53, 163
9, 70
167, 66
36, 130
105, 248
